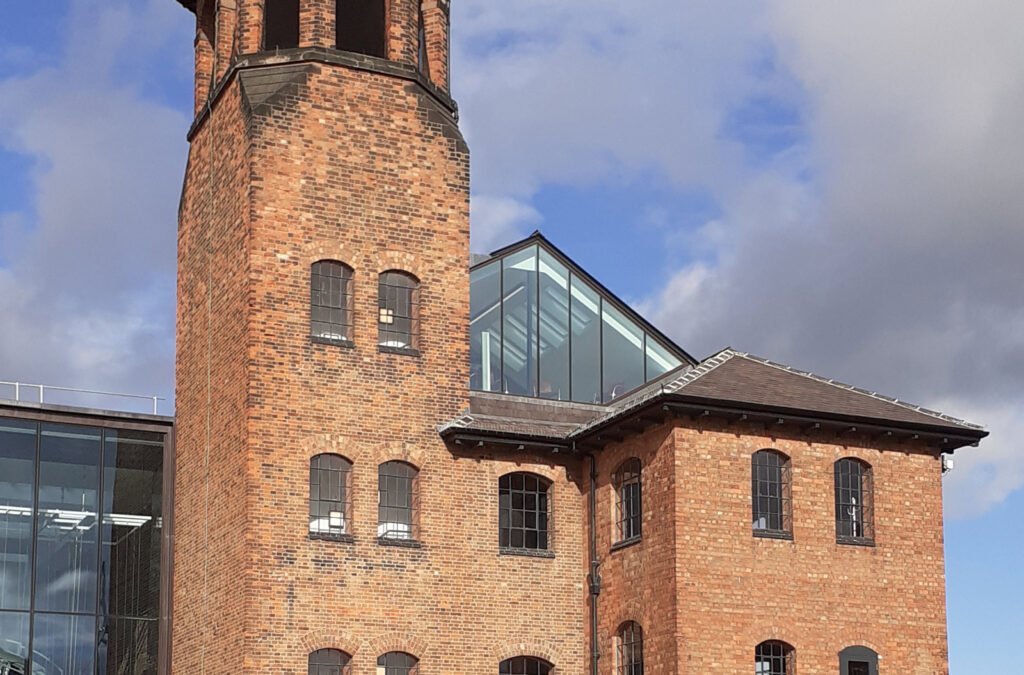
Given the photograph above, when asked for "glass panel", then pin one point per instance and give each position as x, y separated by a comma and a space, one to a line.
586, 342
659, 359
17, 478
622, 356
67, 531
132, 494
63, 644
520, 323
485, 328
554, 328
13, 642
129, 646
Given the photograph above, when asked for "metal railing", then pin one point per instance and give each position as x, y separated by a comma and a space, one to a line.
39, 393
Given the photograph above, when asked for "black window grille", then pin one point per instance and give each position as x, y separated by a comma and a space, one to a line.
774, 658
360, 26
329, 662
330, 303
523, 511
398, 312
524, 665
397, 663
628, 505
630, 649
854, 501
858, 660
280, 24
422, 57
330, 494
396, 509
771, 493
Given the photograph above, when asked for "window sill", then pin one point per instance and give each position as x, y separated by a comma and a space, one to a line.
336, 342
856, 541
626, 543
404, 351
399, 543
527, 552
332, 536
774, 534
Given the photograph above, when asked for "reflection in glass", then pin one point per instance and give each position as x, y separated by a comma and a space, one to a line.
69, 472
519, 322
553, 328
659, 360
622, 354
129, 646
17, 477
13, 642
586, 342
63, 644
485, 328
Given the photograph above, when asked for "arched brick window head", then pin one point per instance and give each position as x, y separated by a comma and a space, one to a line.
330, 302
774, 658
770, 494
398, 310
630, 649
397, 663
280, 24
397, 501
628, 502
524, 665
360, 26
329, 662
858, 660
330, 495
523, 512
855, 502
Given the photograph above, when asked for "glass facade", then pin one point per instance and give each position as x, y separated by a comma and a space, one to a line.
538, 329
80, 539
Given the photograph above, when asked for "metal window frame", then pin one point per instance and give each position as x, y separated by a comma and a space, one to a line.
398, 663
524, 665
780, 657
628, 502
629, 649
777, 489
505, 532
346, 328
344, 504
854, 482
343, 668
386, 334
411, 511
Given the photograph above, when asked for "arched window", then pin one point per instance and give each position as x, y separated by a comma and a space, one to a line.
422, 56
858, 661
774, 658
329, 662
397, 501
770, 492
330, 301
628, 504
360, 26
523, 511
630, 649
398, 312
280, 24
524, 665
330, 494
854, 502
396, 663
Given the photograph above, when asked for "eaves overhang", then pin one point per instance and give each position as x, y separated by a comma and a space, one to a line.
190, 5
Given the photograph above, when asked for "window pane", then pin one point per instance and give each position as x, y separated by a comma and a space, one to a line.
659, 359
586, 342
554, 328
485, 327
397, 313
17, 479
63, 644
13, 642
360, 26
67, 530
395, 515
281, 24
519, 322
129, 646
622, 355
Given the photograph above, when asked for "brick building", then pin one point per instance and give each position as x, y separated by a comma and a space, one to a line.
392, 458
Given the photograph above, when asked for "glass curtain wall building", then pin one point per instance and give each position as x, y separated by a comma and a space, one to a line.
540, 327
81, 537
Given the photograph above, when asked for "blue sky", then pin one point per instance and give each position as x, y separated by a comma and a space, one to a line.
834, 187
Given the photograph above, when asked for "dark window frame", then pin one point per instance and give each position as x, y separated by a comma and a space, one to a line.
398, 302
329, 661
398, 663
529, 488
629, 649
855, 502
858, 655
362, 13
525, 665
629, 511
771, 494
286, 8
779, 658
398, 508
331, 297
330, 471
422, 51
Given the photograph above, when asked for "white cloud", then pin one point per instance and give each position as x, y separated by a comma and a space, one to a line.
498, 221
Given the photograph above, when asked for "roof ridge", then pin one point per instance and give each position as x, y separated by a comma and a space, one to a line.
857, 390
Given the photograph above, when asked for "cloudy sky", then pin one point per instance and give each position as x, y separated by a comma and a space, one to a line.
837, 186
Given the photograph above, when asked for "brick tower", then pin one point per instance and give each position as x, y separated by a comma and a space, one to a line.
326, 163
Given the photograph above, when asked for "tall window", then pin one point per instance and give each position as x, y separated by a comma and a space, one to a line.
396, 509
523, 511
397, 663
398, 311
360, 26
774, 658
330, 302
422, 58
630, 656
854, 501
328, 662
330, 494
770, 492
628, 506
524, 665
858, 661
280, 24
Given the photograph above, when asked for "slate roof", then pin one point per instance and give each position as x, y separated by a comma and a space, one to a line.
189, 5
